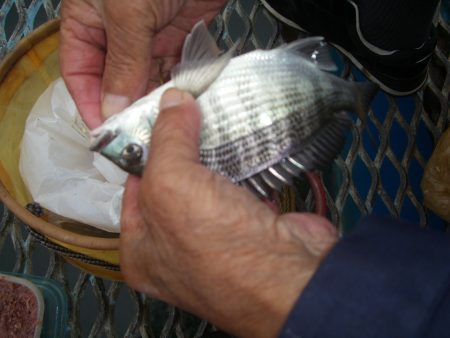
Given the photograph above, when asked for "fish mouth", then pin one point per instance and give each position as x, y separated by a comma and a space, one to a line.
100, 139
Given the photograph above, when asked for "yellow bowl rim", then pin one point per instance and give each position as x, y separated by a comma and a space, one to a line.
48, 229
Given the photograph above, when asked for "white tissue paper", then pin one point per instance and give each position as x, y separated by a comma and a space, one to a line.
60, 171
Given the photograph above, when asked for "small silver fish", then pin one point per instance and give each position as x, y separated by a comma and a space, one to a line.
267, 115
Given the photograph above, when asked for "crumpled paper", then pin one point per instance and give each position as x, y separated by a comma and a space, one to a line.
436, 180
60, 171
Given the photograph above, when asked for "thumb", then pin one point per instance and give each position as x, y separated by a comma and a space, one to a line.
128, 55
175, 135
315, 232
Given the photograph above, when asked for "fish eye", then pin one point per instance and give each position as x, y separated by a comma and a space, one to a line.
132, 153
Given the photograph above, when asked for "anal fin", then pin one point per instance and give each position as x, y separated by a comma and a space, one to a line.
325, 145
319, 152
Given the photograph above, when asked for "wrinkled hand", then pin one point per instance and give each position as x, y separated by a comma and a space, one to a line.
193, 239
114, 52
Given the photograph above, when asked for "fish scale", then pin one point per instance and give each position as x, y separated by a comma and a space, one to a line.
238, 120
266, 115
265, 147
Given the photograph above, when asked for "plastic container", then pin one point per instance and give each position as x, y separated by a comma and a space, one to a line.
23, 307
52, 300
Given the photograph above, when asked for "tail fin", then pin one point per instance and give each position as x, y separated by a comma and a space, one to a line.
365, 92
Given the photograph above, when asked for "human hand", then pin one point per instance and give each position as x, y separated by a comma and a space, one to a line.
193, 239
114, 52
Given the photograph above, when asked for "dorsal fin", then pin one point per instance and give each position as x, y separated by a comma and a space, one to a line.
199, 45
315, 50
201, 61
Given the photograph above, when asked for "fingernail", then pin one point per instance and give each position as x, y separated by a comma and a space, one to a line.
172, 98
113, 104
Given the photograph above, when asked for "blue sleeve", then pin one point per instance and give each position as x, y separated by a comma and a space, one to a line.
385, 279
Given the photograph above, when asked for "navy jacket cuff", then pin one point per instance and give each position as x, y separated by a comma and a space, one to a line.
385, 279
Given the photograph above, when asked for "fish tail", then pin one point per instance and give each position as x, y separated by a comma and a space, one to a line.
365, 92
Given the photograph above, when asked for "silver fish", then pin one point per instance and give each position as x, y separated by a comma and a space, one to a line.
267, 115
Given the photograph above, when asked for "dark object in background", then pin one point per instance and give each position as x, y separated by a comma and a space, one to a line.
372, 35
35, 208
217, 334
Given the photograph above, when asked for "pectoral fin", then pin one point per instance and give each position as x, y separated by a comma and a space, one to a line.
201, 61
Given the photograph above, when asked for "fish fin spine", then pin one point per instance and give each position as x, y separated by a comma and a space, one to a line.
325, 145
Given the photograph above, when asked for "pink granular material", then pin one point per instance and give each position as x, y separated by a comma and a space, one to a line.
18, 310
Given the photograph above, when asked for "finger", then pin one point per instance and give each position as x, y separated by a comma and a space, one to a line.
175, 136
131, 219
131, 236
128, 58
160, 71
82, 52
315, 232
